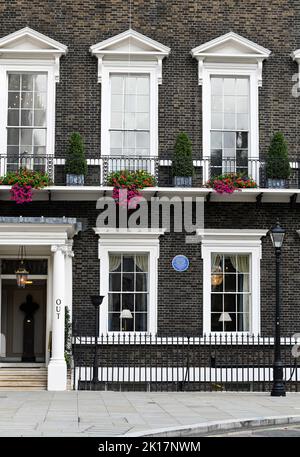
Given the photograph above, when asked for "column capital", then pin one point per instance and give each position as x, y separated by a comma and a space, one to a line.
59, 247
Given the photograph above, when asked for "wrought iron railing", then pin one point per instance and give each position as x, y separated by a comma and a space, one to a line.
228, 362
100, 168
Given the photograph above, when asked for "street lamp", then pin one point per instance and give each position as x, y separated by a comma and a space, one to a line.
96, 301
278, 390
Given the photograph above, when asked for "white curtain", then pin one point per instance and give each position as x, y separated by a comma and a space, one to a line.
142, 262
215, 262
241, 264
114, 262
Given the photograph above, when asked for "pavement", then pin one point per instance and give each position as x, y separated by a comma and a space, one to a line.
132, 414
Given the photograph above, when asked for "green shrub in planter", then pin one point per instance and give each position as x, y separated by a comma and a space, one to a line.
182, 166
278, 168
76, 165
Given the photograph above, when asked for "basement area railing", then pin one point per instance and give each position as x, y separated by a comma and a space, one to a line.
229, 362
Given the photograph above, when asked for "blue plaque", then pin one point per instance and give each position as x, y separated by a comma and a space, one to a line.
180, 263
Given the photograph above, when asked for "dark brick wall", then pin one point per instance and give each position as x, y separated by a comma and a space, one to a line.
180, 294
181, 26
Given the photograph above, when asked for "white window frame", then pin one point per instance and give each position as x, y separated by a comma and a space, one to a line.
111, 68
233, 70
27, 67
27, 50
232, 242
129, 241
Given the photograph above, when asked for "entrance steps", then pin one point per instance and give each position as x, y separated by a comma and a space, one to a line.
23, 378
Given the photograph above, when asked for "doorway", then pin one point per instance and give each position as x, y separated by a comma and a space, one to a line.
23, 321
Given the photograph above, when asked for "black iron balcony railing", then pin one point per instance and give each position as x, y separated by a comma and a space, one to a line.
100, 168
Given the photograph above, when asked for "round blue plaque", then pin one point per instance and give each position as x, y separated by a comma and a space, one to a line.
180, 263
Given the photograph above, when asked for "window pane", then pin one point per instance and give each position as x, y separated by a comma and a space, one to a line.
26, 100
40, 118
242, 121
230, 261
142, 85
40, 83
130, 84
116, 139
229, 121
128, 302
13, 82
231, 325
216, 158
40, 101
39, 137
243, 282
217, 282
13, 136
130, 120
242, 86
243, 305
230, 282
216, 120
114, 323
141, 322
229, 140
116, 103
129, 140
130, 103
216, 140
128, 282
114, 262
142, 121
229, 86
26, 137
141, 282
116, 84
142, 104
142, 140
242, 105
216, 302
243, 322
13, 100
229, 104
27, 82
217, 103
13, 117
114, 302
115, 282
26, 117
141, 263
127, 325
141, 302
216, 325
128, 263
241, 140
229, 302
216, 86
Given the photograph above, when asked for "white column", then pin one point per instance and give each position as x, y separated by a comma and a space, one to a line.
57, 369
69, 276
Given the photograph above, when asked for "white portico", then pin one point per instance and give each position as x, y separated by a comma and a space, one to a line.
50, 239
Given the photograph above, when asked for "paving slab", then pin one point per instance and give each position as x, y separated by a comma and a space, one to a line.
80, 413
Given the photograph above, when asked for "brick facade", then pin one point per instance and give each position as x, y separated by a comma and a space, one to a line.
180, 307
181, 26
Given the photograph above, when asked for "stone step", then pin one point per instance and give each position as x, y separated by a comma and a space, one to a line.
22, 389
23, 378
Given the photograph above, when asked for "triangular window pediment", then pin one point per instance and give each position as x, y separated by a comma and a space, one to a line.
231, 45
130, 42
28, 40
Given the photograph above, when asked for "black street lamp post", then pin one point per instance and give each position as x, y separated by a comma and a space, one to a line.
278, 389
97, 301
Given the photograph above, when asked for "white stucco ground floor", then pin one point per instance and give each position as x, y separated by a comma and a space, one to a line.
33, 318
